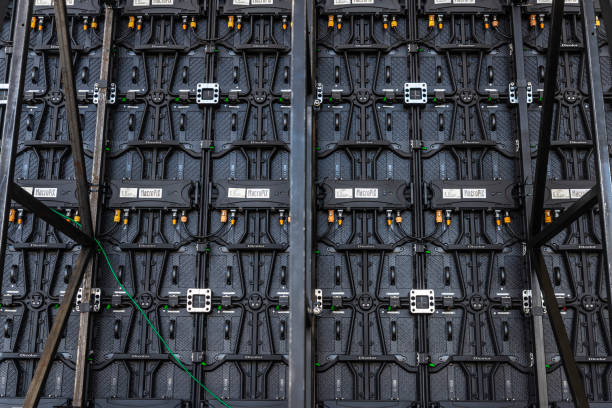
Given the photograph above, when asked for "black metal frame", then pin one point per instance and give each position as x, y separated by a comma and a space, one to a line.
525, 172
600, 194
8, 190
300, 369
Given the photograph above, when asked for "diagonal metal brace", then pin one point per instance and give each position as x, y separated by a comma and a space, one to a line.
559, 330
42, 211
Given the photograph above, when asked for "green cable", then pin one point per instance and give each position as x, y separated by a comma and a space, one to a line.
146, 317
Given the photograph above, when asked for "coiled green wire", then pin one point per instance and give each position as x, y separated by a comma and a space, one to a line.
146, 317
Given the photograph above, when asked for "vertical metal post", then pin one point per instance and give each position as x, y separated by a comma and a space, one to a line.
80, 377
600, 138
10, 130
572, 371
76, 144
299, 357
546, 119
525, 154
559, 331
72, 116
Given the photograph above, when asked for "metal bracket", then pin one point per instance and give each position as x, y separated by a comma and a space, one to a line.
319, 99
415, 92
422, 301
112, 94
318, 304
528, 304
207, 93
3, 93
199, 300
96, 293
512, 87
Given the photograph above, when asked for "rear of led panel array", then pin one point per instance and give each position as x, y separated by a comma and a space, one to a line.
421, 287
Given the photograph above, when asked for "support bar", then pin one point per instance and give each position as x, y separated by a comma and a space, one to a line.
299, 355
546, 118
527, 176
10, 129
580, 207
46, 359
80, 377
72, 116
42, 211
546, 125
572, 371
600, 139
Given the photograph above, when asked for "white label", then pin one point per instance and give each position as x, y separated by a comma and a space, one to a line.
578, 192
571, 1
70, 2
544, 1
343, 193
261, 2
128, 192
50, 192
150, 193
366, 193
464, 1
258, 193
341, 2
559, 193
236, 192
140, 3
442, 1
474, 193
451, 193
363, 1
244, 2
162, 2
